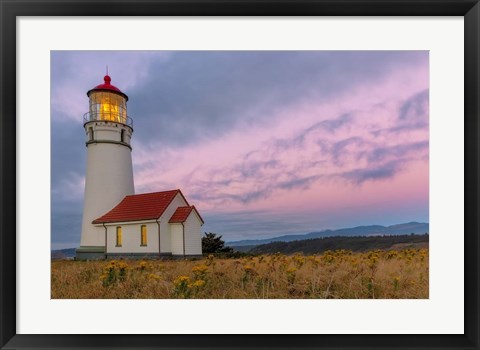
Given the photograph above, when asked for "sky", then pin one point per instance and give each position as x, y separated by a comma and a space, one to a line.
263, 143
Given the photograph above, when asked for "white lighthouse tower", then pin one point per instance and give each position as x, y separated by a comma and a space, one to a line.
109, 175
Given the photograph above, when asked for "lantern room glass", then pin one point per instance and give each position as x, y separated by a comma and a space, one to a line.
108, 106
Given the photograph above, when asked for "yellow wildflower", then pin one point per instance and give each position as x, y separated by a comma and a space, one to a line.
198, 283
200, 270
181, 279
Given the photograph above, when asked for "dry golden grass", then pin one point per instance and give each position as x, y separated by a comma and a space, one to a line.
338, 274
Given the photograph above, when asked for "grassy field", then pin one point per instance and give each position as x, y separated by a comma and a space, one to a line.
334, 274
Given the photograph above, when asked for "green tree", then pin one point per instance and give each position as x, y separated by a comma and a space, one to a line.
213, 244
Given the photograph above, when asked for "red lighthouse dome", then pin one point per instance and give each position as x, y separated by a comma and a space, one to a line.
106, 86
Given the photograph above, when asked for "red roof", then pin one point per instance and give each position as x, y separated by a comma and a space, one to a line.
106, 86
146, 206
182, 213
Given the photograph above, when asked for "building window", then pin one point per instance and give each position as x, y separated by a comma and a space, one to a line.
119, 236
122, 135
143, 237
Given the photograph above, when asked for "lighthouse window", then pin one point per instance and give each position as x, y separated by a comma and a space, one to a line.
143, 233
122, 136
90, 134
119, 236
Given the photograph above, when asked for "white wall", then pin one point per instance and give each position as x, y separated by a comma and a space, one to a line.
108, 180
131, 238
176, 231
108, 131
193, 236
165, 241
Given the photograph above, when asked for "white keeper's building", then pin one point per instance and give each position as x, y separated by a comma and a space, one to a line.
116, 221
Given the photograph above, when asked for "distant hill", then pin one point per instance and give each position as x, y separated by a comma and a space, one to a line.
356, 244
63, 254
372, 230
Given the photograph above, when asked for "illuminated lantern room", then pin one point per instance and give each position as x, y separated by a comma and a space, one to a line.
107, 103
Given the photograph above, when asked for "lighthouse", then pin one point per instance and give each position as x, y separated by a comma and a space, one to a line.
109, 172
117, 223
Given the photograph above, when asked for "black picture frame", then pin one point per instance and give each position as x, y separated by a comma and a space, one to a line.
10, 10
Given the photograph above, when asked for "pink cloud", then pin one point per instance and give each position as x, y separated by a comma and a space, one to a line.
355, 151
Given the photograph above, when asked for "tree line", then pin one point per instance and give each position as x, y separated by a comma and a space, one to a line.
355, 243
213, 244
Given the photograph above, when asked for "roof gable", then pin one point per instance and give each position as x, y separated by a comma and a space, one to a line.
137, 207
